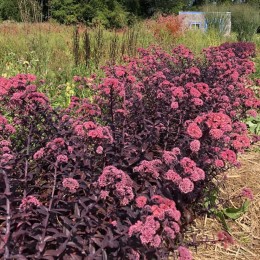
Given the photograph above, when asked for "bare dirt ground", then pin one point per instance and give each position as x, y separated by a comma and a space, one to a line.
246, 229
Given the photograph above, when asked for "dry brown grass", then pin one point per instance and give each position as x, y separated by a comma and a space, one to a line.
246, 229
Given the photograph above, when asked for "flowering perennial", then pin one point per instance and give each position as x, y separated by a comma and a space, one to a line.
122, 174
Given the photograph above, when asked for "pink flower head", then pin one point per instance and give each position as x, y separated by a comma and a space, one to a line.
197, 174
184, 253
195, 146
62, 158
28, 202
169, 157
120, 72
195, 93
247, 193
118, 181
186, 185
3, 120
10, 129
39, 154
174, 105
219, 163
5, 143
197, 101
194, 131
151, 167
172, 176
89, 125
79, 130
59, 141
141, 201
99, 150
229, 155
216, 133
71, 184
104, 194
147, 231
252, 113
225, 238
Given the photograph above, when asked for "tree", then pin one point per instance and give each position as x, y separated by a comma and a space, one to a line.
9, 10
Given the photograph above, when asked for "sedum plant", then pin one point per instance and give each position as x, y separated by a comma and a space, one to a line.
122, 176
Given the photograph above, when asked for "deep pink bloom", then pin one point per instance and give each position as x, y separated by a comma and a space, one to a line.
174, 105
225, 239
79, 130
252, 113
59, 141
195, 93
104, 194
141, 201
99, 150
216, 133
197, 101
169, 157
219, 163
10, 129
62, 158
229, 155
247, 193
186, 185
89, 125
151, 167
194, 131
71, 184
184, 253
39, 154
172, 176
195, 145
119, 182
28, 202
119, 72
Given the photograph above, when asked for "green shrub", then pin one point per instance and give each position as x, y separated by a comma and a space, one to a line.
9, 10
245, 21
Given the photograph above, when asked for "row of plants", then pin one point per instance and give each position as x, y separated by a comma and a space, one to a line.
118, 176
56, 52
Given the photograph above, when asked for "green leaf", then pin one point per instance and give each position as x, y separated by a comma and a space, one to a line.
222, 219
235, 213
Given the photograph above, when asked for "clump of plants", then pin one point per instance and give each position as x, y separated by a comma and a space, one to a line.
118, 177
165, 26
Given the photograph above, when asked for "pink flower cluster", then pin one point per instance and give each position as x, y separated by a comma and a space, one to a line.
141, 201
225, 239
170, 157
71, 184
184, 253
194, 131
164, 208
117, 180
161, 210
29, 202
147, 231
247, 193
151, 167
90, 129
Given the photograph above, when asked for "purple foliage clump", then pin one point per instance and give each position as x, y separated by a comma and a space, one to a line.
114, 178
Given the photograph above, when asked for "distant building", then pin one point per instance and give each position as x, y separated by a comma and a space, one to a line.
205, 20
